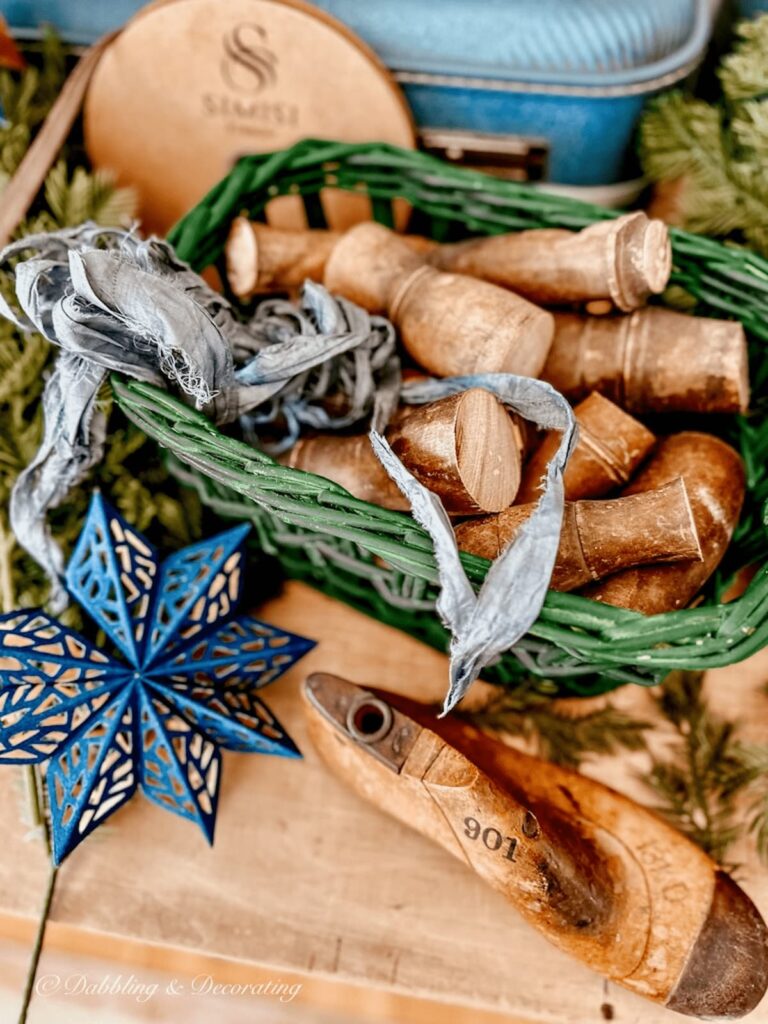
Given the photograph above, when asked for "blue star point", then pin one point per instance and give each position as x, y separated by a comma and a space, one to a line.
154, 715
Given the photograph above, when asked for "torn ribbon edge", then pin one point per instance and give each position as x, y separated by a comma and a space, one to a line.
485, 624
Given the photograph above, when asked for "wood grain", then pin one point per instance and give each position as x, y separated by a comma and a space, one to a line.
450, 324
624, 260
610, 447
600, 537
465, 448
654, 360
304, 877
715, 482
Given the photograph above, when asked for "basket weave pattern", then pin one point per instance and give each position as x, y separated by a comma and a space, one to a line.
381, 561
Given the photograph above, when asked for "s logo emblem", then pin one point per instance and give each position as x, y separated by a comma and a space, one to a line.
249, 64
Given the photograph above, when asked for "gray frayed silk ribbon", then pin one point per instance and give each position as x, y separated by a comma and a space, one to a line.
326, 347
110, 302
485, 624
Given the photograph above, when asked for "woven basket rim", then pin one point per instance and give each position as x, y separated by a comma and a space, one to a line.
727, 631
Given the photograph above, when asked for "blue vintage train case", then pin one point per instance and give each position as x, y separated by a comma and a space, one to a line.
543, 89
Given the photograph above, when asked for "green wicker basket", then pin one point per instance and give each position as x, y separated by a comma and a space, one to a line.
380, 561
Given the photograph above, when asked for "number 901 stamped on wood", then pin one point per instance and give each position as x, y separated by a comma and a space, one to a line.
495, 840
491, 838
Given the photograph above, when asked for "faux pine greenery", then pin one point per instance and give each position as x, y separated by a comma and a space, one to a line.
565, 739
25, 99
132, 473
718, 152
698, 782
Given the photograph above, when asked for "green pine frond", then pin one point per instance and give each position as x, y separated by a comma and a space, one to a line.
748, 778
719, 151
698, 782
744, 72
749, 127
14, 142
109, 204
25, 100
683, 138
562, 739
22, 360
679, 135
81, 196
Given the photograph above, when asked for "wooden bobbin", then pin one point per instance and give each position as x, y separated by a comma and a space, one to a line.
349, 461
600, 537
611, 446
464, 448
623, 260
655, 360
261, 259
450, 324
715, 480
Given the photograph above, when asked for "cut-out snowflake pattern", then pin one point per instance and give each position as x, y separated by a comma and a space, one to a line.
156, 720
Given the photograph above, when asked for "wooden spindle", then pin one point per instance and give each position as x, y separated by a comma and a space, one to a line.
610, 447
715, 481
599, 538
450, 324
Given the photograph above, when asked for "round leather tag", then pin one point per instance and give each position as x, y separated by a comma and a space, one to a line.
191, 85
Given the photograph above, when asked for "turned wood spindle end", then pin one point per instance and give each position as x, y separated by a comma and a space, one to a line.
715, 482
466, 448
653, 360
643, 260
610, 447
260, 258
487, 451
242, 258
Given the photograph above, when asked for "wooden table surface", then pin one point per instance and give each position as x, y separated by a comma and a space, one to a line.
306, 878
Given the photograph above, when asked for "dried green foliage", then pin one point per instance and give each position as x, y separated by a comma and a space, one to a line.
691, 783
561, 738
711, 785
750, 778
25, 100
720, 151
744, 72
80, 196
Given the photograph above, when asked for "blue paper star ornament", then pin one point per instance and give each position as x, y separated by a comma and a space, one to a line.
157, 718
